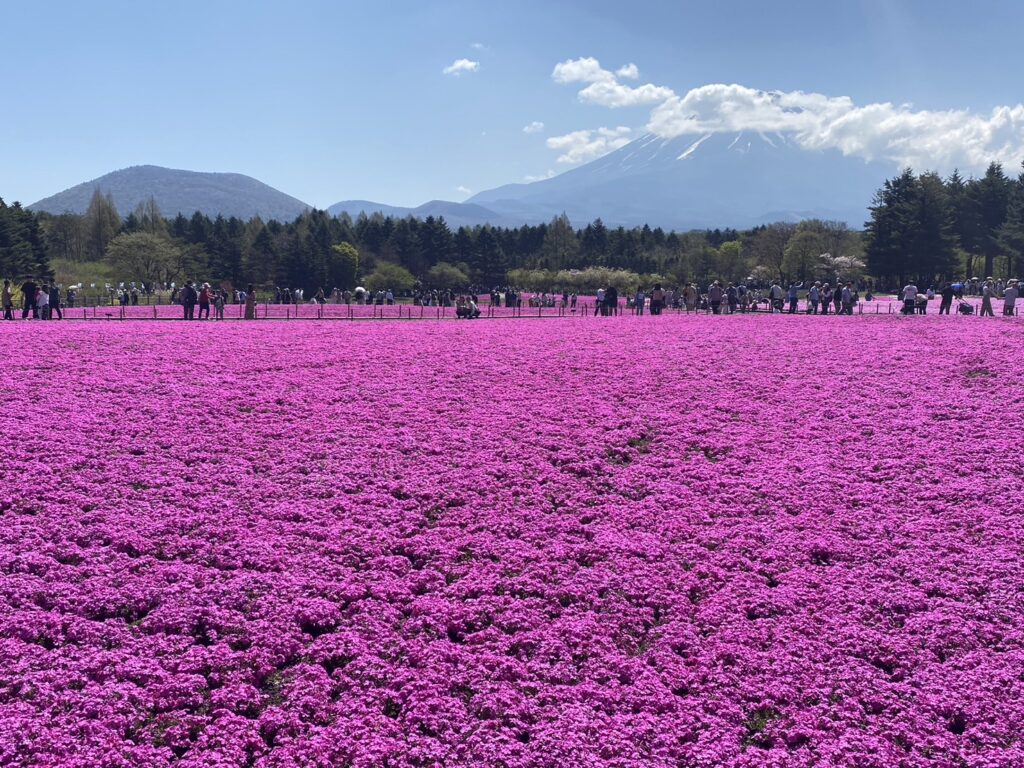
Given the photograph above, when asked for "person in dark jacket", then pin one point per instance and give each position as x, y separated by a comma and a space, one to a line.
947, 294
611, 300
55, 303
28, 290
189, 297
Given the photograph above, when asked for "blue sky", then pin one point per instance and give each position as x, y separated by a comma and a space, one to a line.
335, 100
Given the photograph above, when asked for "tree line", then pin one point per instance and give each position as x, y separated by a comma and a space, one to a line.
921, 226
926, 228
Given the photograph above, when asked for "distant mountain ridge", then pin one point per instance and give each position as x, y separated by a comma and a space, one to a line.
455, 214
177, 191
690, 182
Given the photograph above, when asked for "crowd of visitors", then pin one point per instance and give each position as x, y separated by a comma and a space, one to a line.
46, 301
43, 302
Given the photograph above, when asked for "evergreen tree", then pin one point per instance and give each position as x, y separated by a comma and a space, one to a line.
101, 225
1011, 234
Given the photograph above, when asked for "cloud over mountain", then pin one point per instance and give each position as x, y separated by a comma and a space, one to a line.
899, 134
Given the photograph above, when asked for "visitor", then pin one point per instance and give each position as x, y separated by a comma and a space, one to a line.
837, 297
638, 302
7, 301
794, 298
732, 298
28, 293
657, 299
847, 299
250, 303
947, 294
55, 302
690, 298
43, 302
922, 303
219, 300
813, 297
775, 296
189, 297
611, 299
1010, 298
600, 306
986, 299
909, 298
389, 297
826, 298
715, 294
320, 297
204, 301
572, 301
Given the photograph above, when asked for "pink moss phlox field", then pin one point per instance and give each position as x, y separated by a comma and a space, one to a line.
676, 541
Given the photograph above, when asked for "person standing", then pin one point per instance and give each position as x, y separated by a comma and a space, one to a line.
250, 303
218, 304
189, 296
947, 298
847, 299
28, 293
657, 299
55, 302
599, 305
775, 297
715, 294
7, 301
204, 301
909, 298
813, 297
986, 300
826, 298
638, 302
1010, 298
611, 299
732, 298
794, 298
43, 302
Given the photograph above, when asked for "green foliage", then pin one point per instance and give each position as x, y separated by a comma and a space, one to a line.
388, 275
146, 257
22, 248
100, 225
344, 266
912, 231
445, 275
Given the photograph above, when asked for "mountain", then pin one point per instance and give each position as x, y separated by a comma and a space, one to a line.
713, 181
455, 214
227, 194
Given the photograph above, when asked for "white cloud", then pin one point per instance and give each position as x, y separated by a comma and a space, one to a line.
478, 46
535, 127
550, 173
603, 87
922, 139
460, 66
895, 133
582, 70
583, 146
463, 190
629, 71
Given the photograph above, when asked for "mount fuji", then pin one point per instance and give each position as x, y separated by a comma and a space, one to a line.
715, 180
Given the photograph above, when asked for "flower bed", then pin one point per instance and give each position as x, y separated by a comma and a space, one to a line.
683, 542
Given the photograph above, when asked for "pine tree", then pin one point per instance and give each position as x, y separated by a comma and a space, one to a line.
1011, 234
